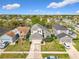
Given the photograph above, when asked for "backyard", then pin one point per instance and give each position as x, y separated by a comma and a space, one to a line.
53, 46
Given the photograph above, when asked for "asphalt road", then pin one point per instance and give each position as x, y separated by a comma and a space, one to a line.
73, 53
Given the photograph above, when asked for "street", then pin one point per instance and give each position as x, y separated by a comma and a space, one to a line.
73, 53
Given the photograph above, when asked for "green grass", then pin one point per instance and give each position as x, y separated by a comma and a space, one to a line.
17, 47
60, 56
13, 56
53, 46
76, 44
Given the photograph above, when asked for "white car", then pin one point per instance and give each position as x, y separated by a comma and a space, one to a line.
67, 45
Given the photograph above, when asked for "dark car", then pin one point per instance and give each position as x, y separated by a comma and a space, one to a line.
4, 45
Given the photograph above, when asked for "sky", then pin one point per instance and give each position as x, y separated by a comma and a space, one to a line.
39, 7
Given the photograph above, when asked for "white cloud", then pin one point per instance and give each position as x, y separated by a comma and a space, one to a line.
38, 11
62, 4
77, 11
58, 12
11, 6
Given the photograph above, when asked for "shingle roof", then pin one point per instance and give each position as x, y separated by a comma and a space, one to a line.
61, 35
23, 29
59, 27
36, 36
10, 33
35, 27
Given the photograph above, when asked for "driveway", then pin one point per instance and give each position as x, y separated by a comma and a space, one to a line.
73, 53
35, 50
1, 50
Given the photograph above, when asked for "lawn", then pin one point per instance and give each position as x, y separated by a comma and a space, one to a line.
17, 47
53, 46
13, 56
60, 56
76, 44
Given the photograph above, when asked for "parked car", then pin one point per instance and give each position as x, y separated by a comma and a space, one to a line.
3, 45
67, 45
51, 57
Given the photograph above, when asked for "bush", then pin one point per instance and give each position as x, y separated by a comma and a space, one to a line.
49, 39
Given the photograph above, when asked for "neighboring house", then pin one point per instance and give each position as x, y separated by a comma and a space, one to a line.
58, 29
37, 28
49, 19
2, 31
64, 38
28, 19
13, 35
72, 34
77, 26
10, 37
23, 30
58, 19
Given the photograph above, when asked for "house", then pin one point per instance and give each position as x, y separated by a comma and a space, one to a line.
57, 19
77, 26
37, 28
64, 38
49, 19
2, 31
23, 30
35, 36
13, 35
28, 19
58, 29
72, 34
10, 37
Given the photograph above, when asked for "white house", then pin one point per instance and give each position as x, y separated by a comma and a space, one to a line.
37, 28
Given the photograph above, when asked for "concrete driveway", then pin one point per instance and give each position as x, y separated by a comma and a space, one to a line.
73, 53
35, 50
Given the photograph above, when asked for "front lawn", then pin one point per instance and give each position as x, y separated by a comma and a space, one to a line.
53, 46
76, 44
13, 56
17, 47
60, 56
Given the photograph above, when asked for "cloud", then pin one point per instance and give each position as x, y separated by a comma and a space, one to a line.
77, 11
62, 4
11, 6
38, 12
58, 13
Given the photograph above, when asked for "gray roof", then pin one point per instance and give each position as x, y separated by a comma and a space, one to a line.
61, 35
71, 32
35, 27
59, 27
36, 36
